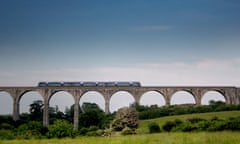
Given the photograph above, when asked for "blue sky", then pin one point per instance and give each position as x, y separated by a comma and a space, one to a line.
157, 42
89, 33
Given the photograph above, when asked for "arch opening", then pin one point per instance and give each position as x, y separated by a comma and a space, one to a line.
27, 99
6, 103
212, 95
93, 97
182, 98
151, 98
120, 99
61, 100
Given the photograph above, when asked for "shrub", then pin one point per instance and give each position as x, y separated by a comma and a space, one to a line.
168, 126
217, 126
194, 120
6, 126
61, 129
154, 127
6, 135
203, 125
125, 117
233, 124
83, 131
186, 127
127, 131
92, 128
30, 130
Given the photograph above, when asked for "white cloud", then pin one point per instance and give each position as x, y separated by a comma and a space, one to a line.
207, 72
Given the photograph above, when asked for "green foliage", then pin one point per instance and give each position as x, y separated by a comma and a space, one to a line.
233, 124
6, 126
36, 110
32, 129
125, 117
83, 131
127, 131
60, 129
90, 107
6, 134
146, 112
154, 127
168, 126
91, 117
194, 120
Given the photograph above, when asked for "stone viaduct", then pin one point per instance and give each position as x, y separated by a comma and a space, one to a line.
231, 95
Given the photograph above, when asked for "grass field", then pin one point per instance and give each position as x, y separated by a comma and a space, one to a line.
226, 137
162, 138
143, 127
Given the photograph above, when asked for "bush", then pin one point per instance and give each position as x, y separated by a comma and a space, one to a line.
6, 135
217, 126
203, 125
6, 126
61, 129
83, 131
154, 127
168, 126
186, 127
30, 130
125, 117
233, 124
127, 131
194, 120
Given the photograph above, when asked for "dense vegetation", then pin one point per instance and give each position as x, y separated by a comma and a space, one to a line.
146, 112
94, 122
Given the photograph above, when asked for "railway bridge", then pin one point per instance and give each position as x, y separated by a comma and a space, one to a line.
231, 95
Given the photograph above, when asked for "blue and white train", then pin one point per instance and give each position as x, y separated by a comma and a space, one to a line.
90, 83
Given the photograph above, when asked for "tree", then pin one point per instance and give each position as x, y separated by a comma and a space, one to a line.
36, 110
92, 115
125, 117
90, 107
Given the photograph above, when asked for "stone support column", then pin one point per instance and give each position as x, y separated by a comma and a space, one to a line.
15, 110
76, 94
197, 93
107, 96
167, 95
167, 100
76, 115
46, 113
107, 106
238, 95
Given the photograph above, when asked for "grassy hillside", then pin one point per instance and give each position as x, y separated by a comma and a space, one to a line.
162, 138
221, 115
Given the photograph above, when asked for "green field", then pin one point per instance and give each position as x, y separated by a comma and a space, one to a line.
143, 129
162, 138
225, 137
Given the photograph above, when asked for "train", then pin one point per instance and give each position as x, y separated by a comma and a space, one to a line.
90, 84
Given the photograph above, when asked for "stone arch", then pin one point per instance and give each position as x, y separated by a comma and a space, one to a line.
34, 95
93, 97
65, 94
153, 96
180, 96
215, 95
118, 100
6, 105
